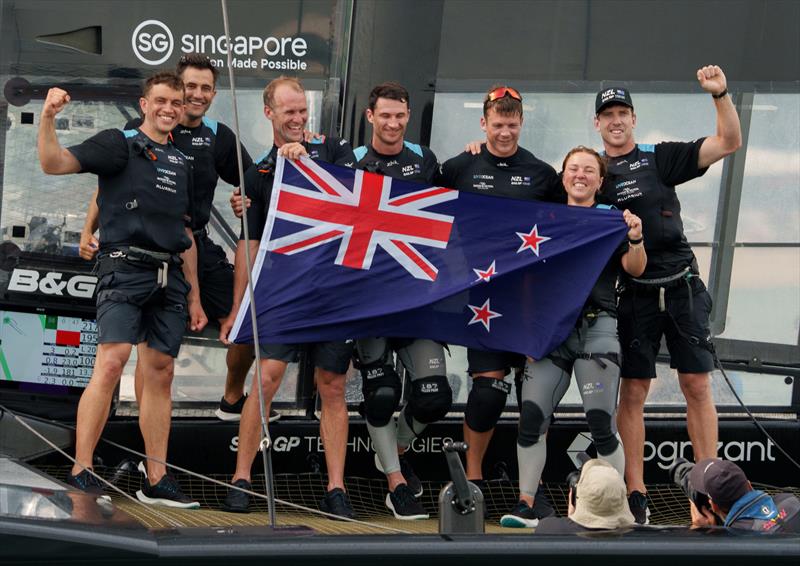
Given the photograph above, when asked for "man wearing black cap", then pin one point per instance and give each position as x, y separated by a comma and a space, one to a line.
734, 500
669, 299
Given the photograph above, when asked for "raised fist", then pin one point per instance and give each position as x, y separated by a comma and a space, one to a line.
55, 102
712, 79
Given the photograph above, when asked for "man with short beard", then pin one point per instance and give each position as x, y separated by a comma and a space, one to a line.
285, 105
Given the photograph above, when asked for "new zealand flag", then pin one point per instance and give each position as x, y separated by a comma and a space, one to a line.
351, 254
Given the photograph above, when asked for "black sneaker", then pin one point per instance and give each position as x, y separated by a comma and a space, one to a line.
85, 481
542, 503
522, 516
337, 502
237, 501
404, 504
233, 412
166, 492
637, 502
413, 482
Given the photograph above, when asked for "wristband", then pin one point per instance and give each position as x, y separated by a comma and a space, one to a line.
720, 95
635, 242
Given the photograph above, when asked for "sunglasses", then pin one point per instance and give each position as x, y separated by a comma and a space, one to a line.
502, 91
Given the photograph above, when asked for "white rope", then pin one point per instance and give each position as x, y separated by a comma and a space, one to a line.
91, 471
187, 472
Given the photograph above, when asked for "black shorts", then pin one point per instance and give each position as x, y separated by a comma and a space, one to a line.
332, 356
479, 361
215, 275
641, 326
132, 308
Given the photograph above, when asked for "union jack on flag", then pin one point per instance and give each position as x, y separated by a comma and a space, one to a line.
349, 254
362, 216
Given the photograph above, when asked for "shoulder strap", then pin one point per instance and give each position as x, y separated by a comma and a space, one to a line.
416, 148
211, 124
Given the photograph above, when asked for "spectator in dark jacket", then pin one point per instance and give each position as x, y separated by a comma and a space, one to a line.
737, 504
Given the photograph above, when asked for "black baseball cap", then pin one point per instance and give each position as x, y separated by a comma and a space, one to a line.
614, 95
723, 481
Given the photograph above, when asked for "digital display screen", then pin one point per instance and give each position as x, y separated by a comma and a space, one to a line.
46, 349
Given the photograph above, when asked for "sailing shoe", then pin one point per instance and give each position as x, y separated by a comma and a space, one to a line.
85, 481
637, 502
233, 412
237, 501
404, 504
166, 492
337, 502
522, 516
413, 482
542, 503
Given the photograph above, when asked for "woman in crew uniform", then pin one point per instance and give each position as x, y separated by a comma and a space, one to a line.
592, 350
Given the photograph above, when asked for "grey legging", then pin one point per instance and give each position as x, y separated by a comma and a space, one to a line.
593, 353
421, 358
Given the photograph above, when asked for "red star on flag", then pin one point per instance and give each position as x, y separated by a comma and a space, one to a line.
487, 274
531, 240
483, 314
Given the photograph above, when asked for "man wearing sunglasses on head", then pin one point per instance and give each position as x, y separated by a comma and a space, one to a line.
503, 169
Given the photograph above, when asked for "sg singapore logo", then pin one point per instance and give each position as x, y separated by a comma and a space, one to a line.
152, 42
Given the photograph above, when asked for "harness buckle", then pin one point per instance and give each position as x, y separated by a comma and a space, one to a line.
162, 275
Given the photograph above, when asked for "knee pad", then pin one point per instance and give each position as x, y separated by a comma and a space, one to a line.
382, 389
430, 399
485, 403
531, 420
600, 425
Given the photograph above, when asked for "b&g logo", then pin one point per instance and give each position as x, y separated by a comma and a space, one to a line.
152, 42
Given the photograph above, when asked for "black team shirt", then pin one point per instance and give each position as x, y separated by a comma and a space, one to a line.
413, 163
520, 176
144, 190
211, 150
643, 181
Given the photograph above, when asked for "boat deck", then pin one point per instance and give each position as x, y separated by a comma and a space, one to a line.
667, 504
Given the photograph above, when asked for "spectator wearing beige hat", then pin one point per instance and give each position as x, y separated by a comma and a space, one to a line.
598, 502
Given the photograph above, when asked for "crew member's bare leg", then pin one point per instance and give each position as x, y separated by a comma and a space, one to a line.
155, 407
701, 414
333, 423
630, 425
238, 359
249, 426
95, 402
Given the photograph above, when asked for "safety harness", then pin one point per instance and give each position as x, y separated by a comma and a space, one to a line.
131, 258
